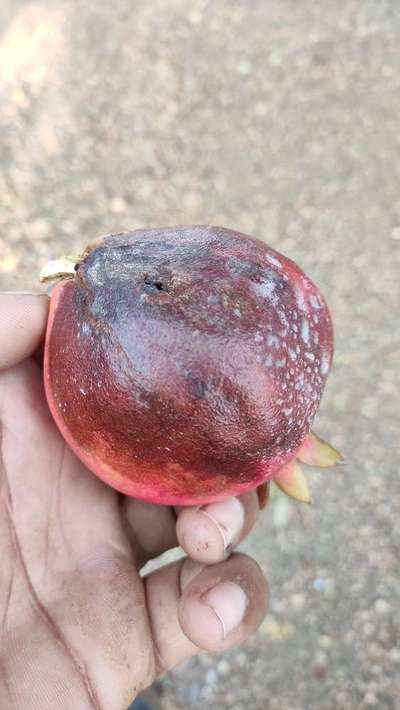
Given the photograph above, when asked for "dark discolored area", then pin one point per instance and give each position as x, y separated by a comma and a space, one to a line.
198, 353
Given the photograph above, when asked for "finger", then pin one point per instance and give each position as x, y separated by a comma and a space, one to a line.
194, 607
151, 529
207, 534
22, 325
210, 532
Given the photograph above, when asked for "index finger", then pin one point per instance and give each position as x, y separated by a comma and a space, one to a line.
23, 318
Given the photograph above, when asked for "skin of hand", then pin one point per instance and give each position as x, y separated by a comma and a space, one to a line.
80, 626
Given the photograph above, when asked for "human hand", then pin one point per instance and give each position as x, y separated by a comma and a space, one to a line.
80, 628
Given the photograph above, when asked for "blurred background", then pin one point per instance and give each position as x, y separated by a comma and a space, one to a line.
279, 118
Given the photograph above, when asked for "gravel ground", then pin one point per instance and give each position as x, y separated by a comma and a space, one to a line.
280, 118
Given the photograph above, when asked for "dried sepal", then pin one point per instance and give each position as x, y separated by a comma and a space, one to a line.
317, 452
64, 267
292, 481
263, 493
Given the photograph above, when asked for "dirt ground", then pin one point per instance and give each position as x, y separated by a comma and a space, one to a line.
280, 118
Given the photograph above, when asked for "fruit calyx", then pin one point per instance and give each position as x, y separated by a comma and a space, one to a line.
63, 268
291, 479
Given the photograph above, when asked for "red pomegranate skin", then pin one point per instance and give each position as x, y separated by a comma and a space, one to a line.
186, 364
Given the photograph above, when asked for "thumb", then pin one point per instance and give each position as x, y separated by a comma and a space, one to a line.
194, 607
23, 319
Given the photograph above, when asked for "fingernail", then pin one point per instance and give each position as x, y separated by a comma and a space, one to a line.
228, 602
228, 516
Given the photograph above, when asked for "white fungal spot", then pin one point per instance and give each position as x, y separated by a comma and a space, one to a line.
310, 356
281, 363
258, 338
237, 312
272, 340
299, 382
268, 362
273, 260
265, 289
305, 330
315, 302
315, 318
292, 354
324, 366
283, 319
300, 300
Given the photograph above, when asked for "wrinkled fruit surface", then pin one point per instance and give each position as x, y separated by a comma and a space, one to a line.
186, 364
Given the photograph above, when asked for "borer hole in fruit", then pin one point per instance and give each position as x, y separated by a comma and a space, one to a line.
155, 283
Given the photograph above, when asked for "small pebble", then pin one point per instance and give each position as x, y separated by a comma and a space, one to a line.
370, 699
211, 676
241, 658
319, 672
318, 584
321, 658
394, 655
223, 667
192, 693
118, 205
325, 641
244, 67
297, 601
381, 606
281, 512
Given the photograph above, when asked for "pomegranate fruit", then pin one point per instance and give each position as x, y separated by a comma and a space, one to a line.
186, 364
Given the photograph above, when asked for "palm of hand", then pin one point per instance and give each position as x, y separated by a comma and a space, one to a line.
79, 626
67, 563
